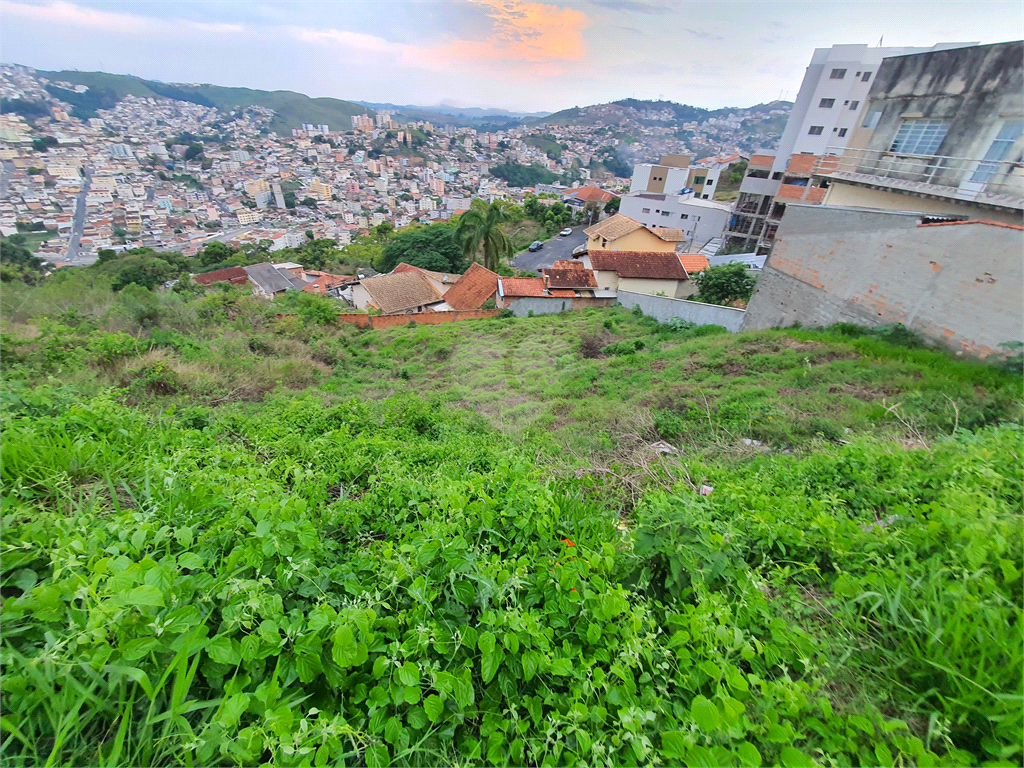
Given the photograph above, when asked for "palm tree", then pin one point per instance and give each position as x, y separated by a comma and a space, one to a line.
482, 227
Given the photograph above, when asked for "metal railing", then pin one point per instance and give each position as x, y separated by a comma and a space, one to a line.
998, 182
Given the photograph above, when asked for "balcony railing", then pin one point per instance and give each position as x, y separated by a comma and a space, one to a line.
992, 182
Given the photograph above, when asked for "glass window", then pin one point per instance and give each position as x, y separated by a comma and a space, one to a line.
837, 74
865, 77
842, 132
1001, 145
826, 103
854, 105
871, 119
919, 137
645, 210
816, 130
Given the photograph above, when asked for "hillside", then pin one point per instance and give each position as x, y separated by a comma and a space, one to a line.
292, 109
635, 109
240, 533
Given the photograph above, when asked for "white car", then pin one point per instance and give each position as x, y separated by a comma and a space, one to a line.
566, 232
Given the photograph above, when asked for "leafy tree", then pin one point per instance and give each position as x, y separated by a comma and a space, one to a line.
17, 262
436, 248
309, 202
519, 175
482, 227
725, 283
612, 206
195, 149
43, 143
215, 252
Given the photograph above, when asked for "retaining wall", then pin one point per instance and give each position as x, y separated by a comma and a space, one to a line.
553, 305
663, 309
420, 318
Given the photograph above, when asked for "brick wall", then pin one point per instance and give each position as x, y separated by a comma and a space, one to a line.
957, 284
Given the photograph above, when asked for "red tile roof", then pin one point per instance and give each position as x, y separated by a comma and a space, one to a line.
653, 265
590, 193
694, 262
471, 290
324, 282
972, 221
569, 274
517, 287
233, 275
441, 277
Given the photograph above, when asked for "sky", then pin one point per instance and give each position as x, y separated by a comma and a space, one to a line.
525, 55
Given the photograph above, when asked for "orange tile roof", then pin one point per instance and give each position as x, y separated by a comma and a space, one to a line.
694, 262
233, 275
401, 291
590, 193
471, 290
569, 274
653, 265
442, 277
761, 161
325, 281
519, 287
972, 221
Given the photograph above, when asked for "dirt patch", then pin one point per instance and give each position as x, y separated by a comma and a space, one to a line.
800, 346
732, 369
659, 365
862, 392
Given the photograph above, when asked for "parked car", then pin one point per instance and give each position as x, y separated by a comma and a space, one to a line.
566, 232
536, 245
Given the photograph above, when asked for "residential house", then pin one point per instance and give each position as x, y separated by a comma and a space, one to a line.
269, 282
700, 220
578, 198
621, 233
657, 273
398, 292
512, 288
324, 283
572, 275
233, 275
473, 289
441, 281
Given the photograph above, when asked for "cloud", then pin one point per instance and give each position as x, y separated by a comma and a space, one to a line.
64, 14
654, 7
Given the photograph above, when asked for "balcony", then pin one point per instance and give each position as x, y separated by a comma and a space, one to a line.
997, 183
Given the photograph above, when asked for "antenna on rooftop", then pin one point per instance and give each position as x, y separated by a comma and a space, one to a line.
880, 41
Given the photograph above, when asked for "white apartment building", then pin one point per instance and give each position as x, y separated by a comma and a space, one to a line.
700, 220
831, 98
246, 216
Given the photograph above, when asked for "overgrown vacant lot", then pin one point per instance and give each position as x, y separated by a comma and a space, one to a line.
233, 539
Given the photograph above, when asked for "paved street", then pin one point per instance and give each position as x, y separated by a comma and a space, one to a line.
78, 223
554, 249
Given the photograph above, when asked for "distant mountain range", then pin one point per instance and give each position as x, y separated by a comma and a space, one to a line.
293, 109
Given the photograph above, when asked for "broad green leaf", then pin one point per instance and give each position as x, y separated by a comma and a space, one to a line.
182, 619
392, 730
249, 646
705, 714
748, 755
263, 528
883, 755
433, 706
233, 709
593, 634
561, 667
323, 755
464, 592
412, 694
409, 673
223, 651
511, 642
485, 643
791, 757
490, 663
377, 756
416, 718
701, 757
583, 742
309, 666
463, 690
142, 595
673, 745
190, 560
141, 646
531, 662
269, 632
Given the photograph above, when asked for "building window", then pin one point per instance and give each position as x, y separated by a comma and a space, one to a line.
666, 213
816, 130
827, 103
645, 210
919, 137
698, 179
684, 216
710, 182
837, 74
865, 77
871, 119
842, 132
777, 175
1001, 145
854, 105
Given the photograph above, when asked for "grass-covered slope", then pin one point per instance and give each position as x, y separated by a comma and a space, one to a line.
232, 539
291, 109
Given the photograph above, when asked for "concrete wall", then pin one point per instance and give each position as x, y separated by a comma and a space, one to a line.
851, 195
664, 309
958, 284
637, 240
552, 306
676, 289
